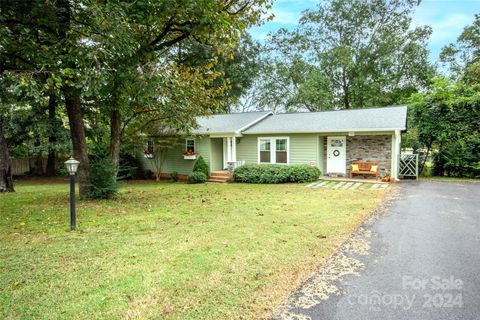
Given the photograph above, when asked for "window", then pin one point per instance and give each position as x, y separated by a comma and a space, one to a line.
190, 146
273, 150
265, 152
281, 151
336, 143
149, 149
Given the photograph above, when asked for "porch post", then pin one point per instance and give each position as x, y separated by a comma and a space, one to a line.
229, 149
396, 154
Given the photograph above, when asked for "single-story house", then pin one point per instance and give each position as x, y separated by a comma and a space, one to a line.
330, 140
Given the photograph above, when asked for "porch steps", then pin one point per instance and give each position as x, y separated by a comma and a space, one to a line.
219, 176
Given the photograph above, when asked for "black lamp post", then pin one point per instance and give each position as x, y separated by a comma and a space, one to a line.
72, 166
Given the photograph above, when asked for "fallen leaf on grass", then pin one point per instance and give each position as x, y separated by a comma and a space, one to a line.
168, 310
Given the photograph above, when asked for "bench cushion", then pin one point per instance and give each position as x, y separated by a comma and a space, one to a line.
374, 168
354, 167
364, 172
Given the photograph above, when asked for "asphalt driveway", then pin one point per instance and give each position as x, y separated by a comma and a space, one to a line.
419, 260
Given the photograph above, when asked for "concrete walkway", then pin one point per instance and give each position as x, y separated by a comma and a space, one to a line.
345, 185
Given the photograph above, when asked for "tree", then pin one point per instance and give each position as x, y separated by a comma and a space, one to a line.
463, 57
38, 40
117, 58
352, 54
160, 147
139, 41
447, 120
6, 182
237, 70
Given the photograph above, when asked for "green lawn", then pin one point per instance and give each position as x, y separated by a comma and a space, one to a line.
163, 250
452, 179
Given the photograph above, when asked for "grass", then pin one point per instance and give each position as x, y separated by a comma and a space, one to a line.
452, 179
164, 250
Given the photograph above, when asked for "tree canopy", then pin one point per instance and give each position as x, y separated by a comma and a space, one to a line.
114, 64
348, 54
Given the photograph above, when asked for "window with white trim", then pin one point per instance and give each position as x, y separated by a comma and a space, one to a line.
273, 150
281, 150
190, 146
265, 150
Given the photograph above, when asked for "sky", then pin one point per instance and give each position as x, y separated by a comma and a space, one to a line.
447, 18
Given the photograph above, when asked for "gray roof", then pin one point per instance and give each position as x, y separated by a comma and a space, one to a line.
375, 119
228, 123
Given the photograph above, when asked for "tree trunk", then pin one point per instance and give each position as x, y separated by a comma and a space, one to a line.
6, 181
38, 161
77, 132
422, 166
52, 139
115, 137
38, 165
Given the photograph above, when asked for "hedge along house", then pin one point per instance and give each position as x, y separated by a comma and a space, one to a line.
330, 140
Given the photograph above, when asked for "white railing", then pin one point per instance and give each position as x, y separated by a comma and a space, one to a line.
232, 165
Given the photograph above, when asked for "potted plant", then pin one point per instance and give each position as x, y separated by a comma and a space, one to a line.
386, 178
189, 155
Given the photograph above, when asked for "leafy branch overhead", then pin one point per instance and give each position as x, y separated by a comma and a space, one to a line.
116, 65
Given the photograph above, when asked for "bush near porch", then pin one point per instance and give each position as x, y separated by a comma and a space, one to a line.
275, 173
167, 250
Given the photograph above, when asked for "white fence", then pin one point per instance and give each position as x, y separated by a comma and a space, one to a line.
232, 165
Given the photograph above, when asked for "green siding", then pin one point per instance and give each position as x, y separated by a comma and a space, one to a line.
303, 148
216, 154
174, 159
321, 154
247, 149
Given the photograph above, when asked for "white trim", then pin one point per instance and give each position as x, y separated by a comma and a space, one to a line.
396, 142
220, 134
273, 147
344, 156
239, 131
224, 153
327, 132
234, 149
229, 149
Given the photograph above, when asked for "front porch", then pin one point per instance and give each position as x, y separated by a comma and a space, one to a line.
340, 151
224, 154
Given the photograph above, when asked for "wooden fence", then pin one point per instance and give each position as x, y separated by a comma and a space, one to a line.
21, 167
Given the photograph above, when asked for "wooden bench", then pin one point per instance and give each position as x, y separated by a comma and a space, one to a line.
364, 168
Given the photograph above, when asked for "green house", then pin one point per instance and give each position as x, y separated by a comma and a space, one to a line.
330, 140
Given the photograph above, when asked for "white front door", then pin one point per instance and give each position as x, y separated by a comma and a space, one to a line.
336, 155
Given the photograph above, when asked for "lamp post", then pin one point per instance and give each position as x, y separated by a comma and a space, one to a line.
72, 166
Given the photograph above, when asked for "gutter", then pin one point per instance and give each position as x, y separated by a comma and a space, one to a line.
329, 131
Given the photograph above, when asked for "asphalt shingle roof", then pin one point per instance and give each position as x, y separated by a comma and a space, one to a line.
227, 123
375, 119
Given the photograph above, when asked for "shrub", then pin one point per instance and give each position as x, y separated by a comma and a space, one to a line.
303, 173
201, 166
174, 176
197, 177
275, 173
102, 181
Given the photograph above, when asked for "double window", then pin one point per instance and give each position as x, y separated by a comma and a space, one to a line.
273, 150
